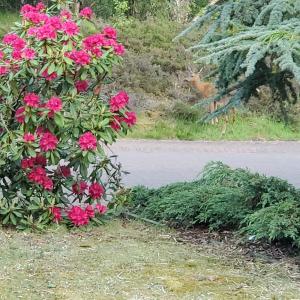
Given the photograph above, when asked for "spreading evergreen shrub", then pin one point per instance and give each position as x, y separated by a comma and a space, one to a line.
266, 207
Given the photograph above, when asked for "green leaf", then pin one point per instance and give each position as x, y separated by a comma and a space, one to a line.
59, 120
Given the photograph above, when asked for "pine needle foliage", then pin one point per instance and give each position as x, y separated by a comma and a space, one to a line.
252, 43
223, 198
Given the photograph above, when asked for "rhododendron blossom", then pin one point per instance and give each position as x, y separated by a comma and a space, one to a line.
110, 32
48, 76
54, 104
56, 212
80, 57
66, 14
28, 138
32, 100
87, 141
96, 191
78, 216
86, 12
48, 142
102, 209
90, 211
20, 116
81, 85
130, 118
70, 28
65, 171
119, 101
79, 188
28, 53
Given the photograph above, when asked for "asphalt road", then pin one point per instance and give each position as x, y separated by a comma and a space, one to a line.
156, 163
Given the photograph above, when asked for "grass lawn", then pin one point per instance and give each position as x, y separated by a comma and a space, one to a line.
134, 261
244, 128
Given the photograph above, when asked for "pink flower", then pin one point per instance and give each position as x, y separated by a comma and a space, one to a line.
47, 183
110, 32
54, 104
27, 163
101, 208
80, 57
37, 175
94, 40
31, 100
96, 191
14, 40
28, 53
119, 49
79, 188
70, 28
48, 142
56, 212
86, 12
116, 123
87, 141
35, 17
40, 131
54, 22
97, 52
27, 8
16, 55
20, 116
3, 70
65, 171
82, 85
40, 6
45, 32
119, 101
40, 160
50, 77
66, 14
78, 216
90, 211
1, 55
28, 138
130, 118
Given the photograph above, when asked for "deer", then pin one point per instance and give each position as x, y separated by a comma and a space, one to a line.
208, 90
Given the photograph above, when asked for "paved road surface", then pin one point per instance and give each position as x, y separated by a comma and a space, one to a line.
156, 163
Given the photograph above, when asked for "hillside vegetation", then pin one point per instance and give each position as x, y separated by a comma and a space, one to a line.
154, 74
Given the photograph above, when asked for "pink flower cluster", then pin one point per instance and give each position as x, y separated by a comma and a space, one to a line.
119, 101
95, 191
130, 119
80, 57
46, 27
77, 215
81, 217
29, 163
86, 12
48, 141
39, 176
95, 42
87, 141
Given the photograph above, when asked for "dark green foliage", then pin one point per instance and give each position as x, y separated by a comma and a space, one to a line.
280, 221
266, 207
252, 44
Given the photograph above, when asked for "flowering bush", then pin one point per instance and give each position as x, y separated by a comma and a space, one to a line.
54, 122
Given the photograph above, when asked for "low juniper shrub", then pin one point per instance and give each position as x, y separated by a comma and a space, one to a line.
225, 198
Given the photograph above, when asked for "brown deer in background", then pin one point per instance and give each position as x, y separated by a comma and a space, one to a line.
208, 90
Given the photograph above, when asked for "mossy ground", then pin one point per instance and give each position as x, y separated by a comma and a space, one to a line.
133, 261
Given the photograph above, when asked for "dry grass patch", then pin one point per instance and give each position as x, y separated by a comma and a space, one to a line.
133, 261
